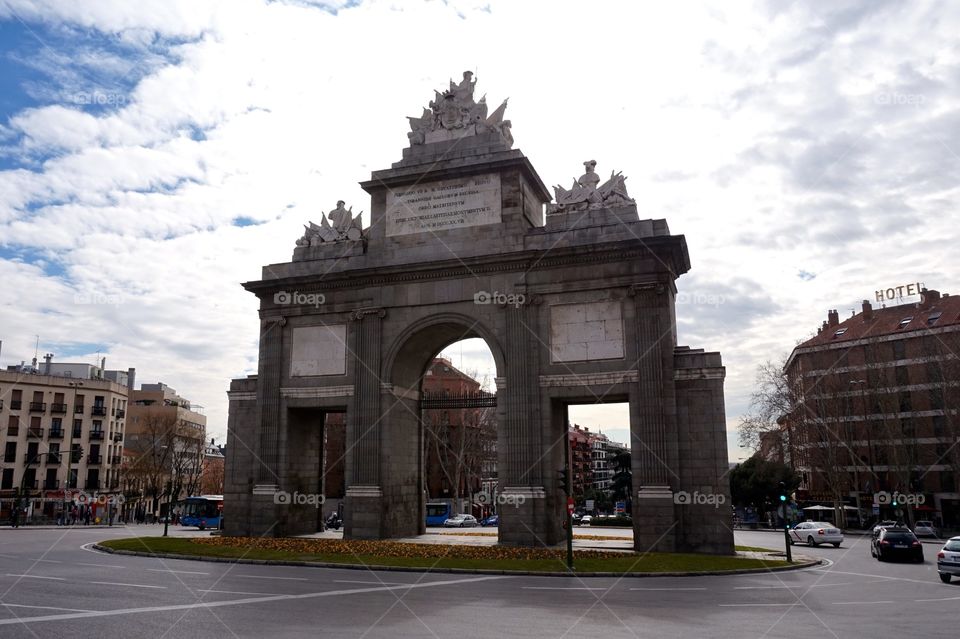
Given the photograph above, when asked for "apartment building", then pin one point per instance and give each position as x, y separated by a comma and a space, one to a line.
877, 409
63, 427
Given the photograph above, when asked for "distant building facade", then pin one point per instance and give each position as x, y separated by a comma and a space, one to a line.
877, 409
63, 429
167, 435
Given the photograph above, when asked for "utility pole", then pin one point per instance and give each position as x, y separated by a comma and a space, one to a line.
786, 525
568, 490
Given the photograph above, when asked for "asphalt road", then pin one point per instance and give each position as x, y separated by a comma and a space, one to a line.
51, 585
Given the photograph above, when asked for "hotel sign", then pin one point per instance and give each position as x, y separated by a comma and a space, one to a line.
898, 292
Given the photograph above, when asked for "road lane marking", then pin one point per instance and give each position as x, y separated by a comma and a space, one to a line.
795, 603
36, 577
10, 605
115, 583
861, 574
372, 583
240, 602
944, 599
664, 589
235, 592
98, 565
179, 572
267, 577
560, 588
858, 603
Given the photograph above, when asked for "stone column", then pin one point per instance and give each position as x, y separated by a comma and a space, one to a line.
522, 479
364, 496
263, 509
654, 461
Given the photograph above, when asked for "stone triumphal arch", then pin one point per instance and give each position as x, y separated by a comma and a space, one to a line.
573, 294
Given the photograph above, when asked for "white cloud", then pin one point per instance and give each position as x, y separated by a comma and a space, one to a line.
778, 140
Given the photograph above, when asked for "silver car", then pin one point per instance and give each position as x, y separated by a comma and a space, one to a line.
461, 521
948, 560
924, 528
814, 533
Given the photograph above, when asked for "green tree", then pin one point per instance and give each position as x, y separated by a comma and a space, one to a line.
756, 481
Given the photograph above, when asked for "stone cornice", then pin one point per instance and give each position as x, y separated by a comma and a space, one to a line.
521, 261
316, 392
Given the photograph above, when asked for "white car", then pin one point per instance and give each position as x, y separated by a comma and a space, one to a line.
461, 521
924, 528
814, 533
585, 520
948, 560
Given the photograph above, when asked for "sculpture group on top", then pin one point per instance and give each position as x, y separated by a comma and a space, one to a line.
585, 194
454, 113
342, 225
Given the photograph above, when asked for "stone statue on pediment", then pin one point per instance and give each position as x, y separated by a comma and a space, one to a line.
587, 192
454, 113
338, 225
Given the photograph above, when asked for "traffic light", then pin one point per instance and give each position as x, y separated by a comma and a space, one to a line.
564, 481
783, 492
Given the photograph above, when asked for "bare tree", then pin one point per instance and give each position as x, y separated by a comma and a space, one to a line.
772, 399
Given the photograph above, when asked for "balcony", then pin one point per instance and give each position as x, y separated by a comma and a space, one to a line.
10, 459
116, 459
38, 407
94, 459
55, 433
91, 485
53, 458
58, 408
96, 434
118, 437
35, 432
15, 404
99, 411
78, 409
77, 433
121, 413
13, 431
75, 456
32, 485
51, 484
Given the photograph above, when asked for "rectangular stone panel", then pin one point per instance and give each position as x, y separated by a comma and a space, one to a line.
442, 205
585, 332
318, 350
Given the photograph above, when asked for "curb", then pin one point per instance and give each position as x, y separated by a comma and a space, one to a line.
464, 571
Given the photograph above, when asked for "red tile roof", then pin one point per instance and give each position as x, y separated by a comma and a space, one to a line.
887, 321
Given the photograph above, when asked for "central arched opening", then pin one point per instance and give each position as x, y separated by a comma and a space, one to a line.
441, 434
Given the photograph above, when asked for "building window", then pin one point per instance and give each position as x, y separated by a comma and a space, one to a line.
7, 482
899, 350
10, 453
933, 317
936, 399
906, 405
938, 426
905, 321
947, 483
902, 377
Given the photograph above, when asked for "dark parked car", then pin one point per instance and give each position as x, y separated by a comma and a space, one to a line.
893, 543
492, 520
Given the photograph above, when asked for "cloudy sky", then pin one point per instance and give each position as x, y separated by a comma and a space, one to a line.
155, 154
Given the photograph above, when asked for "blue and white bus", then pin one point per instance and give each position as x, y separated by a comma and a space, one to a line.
203, 511
438, 512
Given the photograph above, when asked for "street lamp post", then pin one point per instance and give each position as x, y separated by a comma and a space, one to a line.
166, 520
